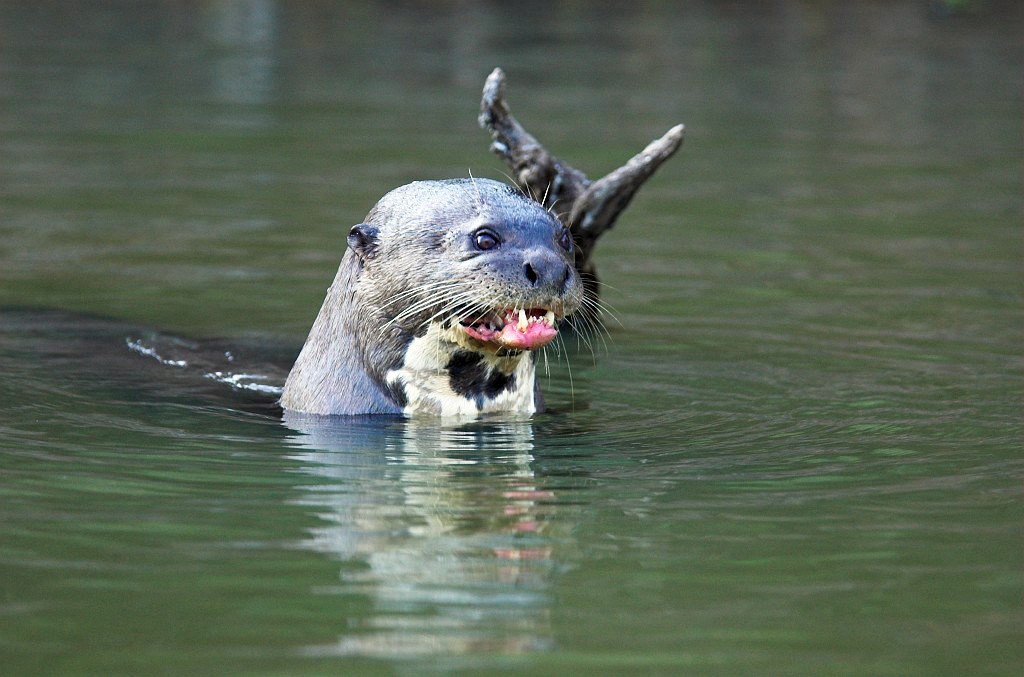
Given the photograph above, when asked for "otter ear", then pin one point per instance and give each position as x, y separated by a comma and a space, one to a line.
362, 239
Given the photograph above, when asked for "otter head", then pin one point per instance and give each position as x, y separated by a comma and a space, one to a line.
445, 290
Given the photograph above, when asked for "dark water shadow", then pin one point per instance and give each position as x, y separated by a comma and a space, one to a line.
108, 358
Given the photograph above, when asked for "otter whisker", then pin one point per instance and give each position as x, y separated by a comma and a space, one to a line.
572, 387
583, 340
448, 303
419, 289
479, 197
510, 179
446, 311
595, 307
586, 326
431, 297
413, 293
432, 300
458, 304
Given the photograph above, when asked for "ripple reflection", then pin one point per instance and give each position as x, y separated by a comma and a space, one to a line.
443, 528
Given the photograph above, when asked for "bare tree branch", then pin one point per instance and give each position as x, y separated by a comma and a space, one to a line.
588, 208
596, 210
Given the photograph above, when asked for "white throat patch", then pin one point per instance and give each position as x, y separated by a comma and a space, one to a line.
441, 376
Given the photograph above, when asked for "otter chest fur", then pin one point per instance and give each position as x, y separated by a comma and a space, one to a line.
444, 293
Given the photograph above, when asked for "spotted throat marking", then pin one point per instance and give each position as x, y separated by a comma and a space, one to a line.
441, 377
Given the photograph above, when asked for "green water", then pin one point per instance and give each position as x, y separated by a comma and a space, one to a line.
796, 451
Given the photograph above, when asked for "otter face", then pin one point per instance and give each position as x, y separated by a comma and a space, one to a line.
476, 276
524, 279
493, 268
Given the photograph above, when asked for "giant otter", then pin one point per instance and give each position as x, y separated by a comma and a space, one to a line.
444, 292
448, 287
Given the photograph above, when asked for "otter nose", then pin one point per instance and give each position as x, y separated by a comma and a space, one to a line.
546, 269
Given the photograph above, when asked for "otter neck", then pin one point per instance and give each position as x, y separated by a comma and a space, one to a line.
335, 371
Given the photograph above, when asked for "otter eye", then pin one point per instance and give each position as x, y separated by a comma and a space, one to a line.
486, 239
565, 240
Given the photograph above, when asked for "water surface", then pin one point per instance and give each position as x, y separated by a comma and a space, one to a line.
795, 451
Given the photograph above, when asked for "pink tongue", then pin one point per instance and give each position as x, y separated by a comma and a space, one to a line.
537, 334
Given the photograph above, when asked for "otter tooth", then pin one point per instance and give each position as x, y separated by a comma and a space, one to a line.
523, 321
549, 317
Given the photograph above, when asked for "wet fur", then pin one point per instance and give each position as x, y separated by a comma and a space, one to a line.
384, 341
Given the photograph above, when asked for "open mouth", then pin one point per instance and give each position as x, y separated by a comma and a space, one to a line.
522, 329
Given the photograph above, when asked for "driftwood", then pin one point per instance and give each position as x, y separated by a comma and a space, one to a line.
588, 208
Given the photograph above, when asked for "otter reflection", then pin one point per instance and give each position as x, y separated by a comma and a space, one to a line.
441, 526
